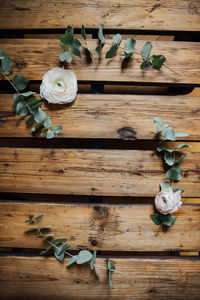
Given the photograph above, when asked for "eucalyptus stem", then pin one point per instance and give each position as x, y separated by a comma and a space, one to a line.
103, 268
11, 83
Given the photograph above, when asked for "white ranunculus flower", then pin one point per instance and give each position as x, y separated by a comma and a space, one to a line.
59, 86
167, 202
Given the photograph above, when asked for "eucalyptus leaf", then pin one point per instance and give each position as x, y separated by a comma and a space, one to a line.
100, 34
6, 65
46, 250
178, 161
57, 251
157, 218
129, 46
111, 52
20, 82
69, 29
64, 248
144, 64
47, 123
50, 134
64, 47
30, 121
111, 264
28, 94
57, 129
93, 259
181, 146
2, 54
40, 115
117, 38
83, 32
72, 260
34, 104
164, 186
17, 98
157, 61
30, 221
162, 148
38, 218
181, 134
21, 109
44, 131
157, 121
98, 49
36, 127
76, 47
32, 229
168, 220
175, 173
169, 158
146, 50
67, 39
83, 257
66, 56
169, 134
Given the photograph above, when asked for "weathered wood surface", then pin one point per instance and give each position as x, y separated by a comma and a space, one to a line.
127, 117
90, 172
46, 278
102, 227
32, 58
125, 14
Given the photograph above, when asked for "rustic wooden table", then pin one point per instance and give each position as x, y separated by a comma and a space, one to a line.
95, 182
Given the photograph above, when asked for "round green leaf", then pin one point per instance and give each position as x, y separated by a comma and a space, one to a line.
6, 65
83, 257
146, 50
20, 82
50, 134
57, 129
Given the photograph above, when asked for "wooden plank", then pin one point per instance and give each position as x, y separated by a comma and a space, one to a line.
46, 278
90, 172
103, 227
32, 58
108, 116
126, 14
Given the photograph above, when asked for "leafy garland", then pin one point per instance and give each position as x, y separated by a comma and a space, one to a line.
70, 46
172, 159
25, 103
60, 250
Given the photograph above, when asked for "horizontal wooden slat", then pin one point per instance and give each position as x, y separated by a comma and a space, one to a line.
108, 116
103, 227
40, 278
90, 172
126, 14
34, 57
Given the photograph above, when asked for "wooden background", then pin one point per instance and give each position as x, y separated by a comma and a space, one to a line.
95, 182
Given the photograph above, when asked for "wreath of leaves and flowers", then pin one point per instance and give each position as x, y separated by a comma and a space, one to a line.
167, 201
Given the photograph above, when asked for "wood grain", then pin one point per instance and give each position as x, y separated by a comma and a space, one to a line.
102, 227
125, 14
126, 117
90, 172
45, 278
32, 58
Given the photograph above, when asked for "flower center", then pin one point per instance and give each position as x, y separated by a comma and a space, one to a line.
162, 202
60, 86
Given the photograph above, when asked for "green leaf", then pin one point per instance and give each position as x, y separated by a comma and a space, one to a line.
93, 259
46, 250
157, 218
34, 104
162, 148
57, 129
57, 251
76, 48
129, 46
181, 146
47, 123
17, 99
38, 218
157, 121
144, 64
6, 65
164, 186
174, 173
168, 220
32, 229
48, 235
30, 121
157, 61
100, 34
146, 50
50, 134
117, 39
64, 47
83, 32
44, 131
67, 39
2, 54
178, 161
40, 115
66, 56
83, 257
169, 134
181, 134
98, 49
69, 29
28, 94
63, 249
177, 189
169, 158
21, 109
20, 82
30, 221
111, 264
72, 260
111, 53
